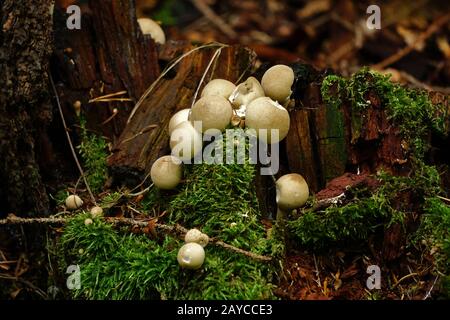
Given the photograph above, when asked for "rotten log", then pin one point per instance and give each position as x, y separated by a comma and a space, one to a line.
146, 137
109, 54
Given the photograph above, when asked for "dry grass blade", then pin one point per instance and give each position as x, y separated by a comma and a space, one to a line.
173, 65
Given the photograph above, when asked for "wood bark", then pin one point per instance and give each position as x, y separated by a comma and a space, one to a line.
146, 137
25, 107
109, 54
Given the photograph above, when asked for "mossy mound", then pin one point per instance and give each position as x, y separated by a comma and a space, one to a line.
218, 199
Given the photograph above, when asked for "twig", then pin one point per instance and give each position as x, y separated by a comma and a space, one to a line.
107, 96
404, 278
433, 28
178, 230
214, 18
431, 289
419, 84
146, 129
70, 142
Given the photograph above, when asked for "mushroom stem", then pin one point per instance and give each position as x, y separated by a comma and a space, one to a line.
282, 215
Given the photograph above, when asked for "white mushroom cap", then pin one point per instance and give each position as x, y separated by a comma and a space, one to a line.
177, 118
88, 221
218, 87
185, 141
73, 202
166, 172
213, 111
264, 113
277, 82
246, 92
292, 191
191, 256
195, 235
150, 27
96, 212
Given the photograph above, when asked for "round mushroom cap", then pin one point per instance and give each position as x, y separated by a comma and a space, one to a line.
292, 191
150, 27
166, 172
73, 202
214, 112
264, 113
191, 256
177, 118
277, 82
96, 211
195, 235
185, 141
246, 92
218, 87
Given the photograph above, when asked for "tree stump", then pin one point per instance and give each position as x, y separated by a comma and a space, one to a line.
146, 137
25, 107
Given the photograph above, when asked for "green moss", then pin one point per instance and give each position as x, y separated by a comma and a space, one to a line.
93, 151
218, 199
411, 110
221, 200
123, 266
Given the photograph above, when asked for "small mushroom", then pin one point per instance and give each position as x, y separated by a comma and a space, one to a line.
185, 141
191, 256
277, 82
150, 27
292, 192
88, 222
264, 113
195, 235
73, 202
166, 172
245, 93
214, 112
177, 118
218, 87
96, 211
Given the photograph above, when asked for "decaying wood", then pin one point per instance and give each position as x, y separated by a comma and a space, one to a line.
146, 137
25, 107
109, 54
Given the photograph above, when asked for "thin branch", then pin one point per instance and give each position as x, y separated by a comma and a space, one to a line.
214, 18
176, 230
70, 141
433, 28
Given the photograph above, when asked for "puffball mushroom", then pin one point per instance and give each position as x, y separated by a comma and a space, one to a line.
150, 27
195, 235
218, 87
185, 141
96, 212
177, 118
166, 172
213, 111
191, 256
264, 113
246, 92
73, 202
292, 192
88, 221
277, 82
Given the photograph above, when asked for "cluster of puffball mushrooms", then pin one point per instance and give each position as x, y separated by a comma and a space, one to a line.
252, 104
